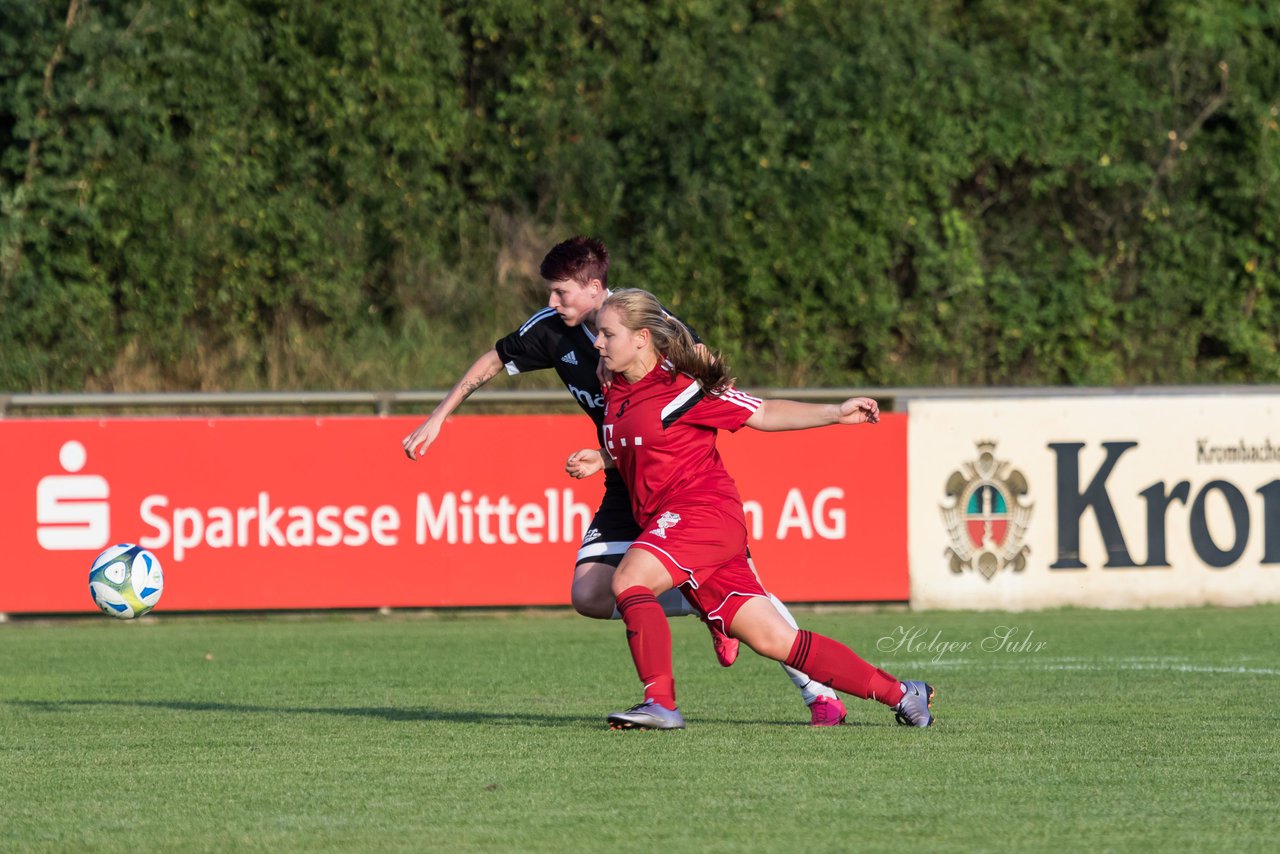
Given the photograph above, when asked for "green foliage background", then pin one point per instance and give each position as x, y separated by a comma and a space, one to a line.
243, 194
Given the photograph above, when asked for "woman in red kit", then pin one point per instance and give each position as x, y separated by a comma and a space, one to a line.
662, 411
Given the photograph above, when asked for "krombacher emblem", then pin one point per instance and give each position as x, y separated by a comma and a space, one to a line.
986, 513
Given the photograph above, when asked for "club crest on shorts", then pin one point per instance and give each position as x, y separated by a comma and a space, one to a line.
666, 520
986, 514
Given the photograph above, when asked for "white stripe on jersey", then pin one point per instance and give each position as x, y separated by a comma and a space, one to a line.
511, 368
681, 399
533, 321
741, 398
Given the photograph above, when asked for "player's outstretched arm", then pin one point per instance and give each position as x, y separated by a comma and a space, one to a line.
776, 415
481, 371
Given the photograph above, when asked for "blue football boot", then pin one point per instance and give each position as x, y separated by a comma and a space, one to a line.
913, 708
647, 715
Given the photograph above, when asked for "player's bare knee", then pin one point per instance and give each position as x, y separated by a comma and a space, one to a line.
595, 606
626, 578
591, 593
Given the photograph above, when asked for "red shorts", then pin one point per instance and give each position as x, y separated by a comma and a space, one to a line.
704, 550
722, 593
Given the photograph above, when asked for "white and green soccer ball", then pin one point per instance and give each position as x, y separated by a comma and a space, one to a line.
126, 581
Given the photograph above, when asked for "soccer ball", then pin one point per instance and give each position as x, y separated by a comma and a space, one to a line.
126, 581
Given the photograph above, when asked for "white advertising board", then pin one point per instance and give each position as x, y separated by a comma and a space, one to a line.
1110, 501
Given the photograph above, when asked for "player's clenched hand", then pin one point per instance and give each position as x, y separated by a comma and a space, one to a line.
859, 410
584, 463
417, 442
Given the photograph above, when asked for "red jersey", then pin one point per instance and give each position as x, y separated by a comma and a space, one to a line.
661, 434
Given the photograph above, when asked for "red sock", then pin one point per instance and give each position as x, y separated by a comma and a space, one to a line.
832, 663
649, 636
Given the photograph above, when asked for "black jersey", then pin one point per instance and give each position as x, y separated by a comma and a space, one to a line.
546, 341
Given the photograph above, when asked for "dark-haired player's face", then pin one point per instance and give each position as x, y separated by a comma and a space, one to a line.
574, 302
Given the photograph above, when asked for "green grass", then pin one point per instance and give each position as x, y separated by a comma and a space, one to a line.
480, 732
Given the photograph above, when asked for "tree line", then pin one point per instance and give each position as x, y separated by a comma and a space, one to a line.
251, 194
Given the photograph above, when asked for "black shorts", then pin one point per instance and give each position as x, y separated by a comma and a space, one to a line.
613, 528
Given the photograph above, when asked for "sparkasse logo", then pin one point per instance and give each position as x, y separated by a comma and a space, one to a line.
72, 513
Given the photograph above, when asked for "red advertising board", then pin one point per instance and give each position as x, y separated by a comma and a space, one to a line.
301, 513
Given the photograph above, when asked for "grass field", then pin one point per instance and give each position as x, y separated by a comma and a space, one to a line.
1150, 730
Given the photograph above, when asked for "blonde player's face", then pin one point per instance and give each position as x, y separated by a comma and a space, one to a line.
620, 348
575, 303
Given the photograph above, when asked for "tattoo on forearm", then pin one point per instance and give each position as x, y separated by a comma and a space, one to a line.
470, 386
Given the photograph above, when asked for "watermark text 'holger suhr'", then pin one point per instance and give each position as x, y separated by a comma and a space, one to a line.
915, 640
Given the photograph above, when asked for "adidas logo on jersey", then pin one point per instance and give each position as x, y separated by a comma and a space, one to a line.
570, 358
593, 534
